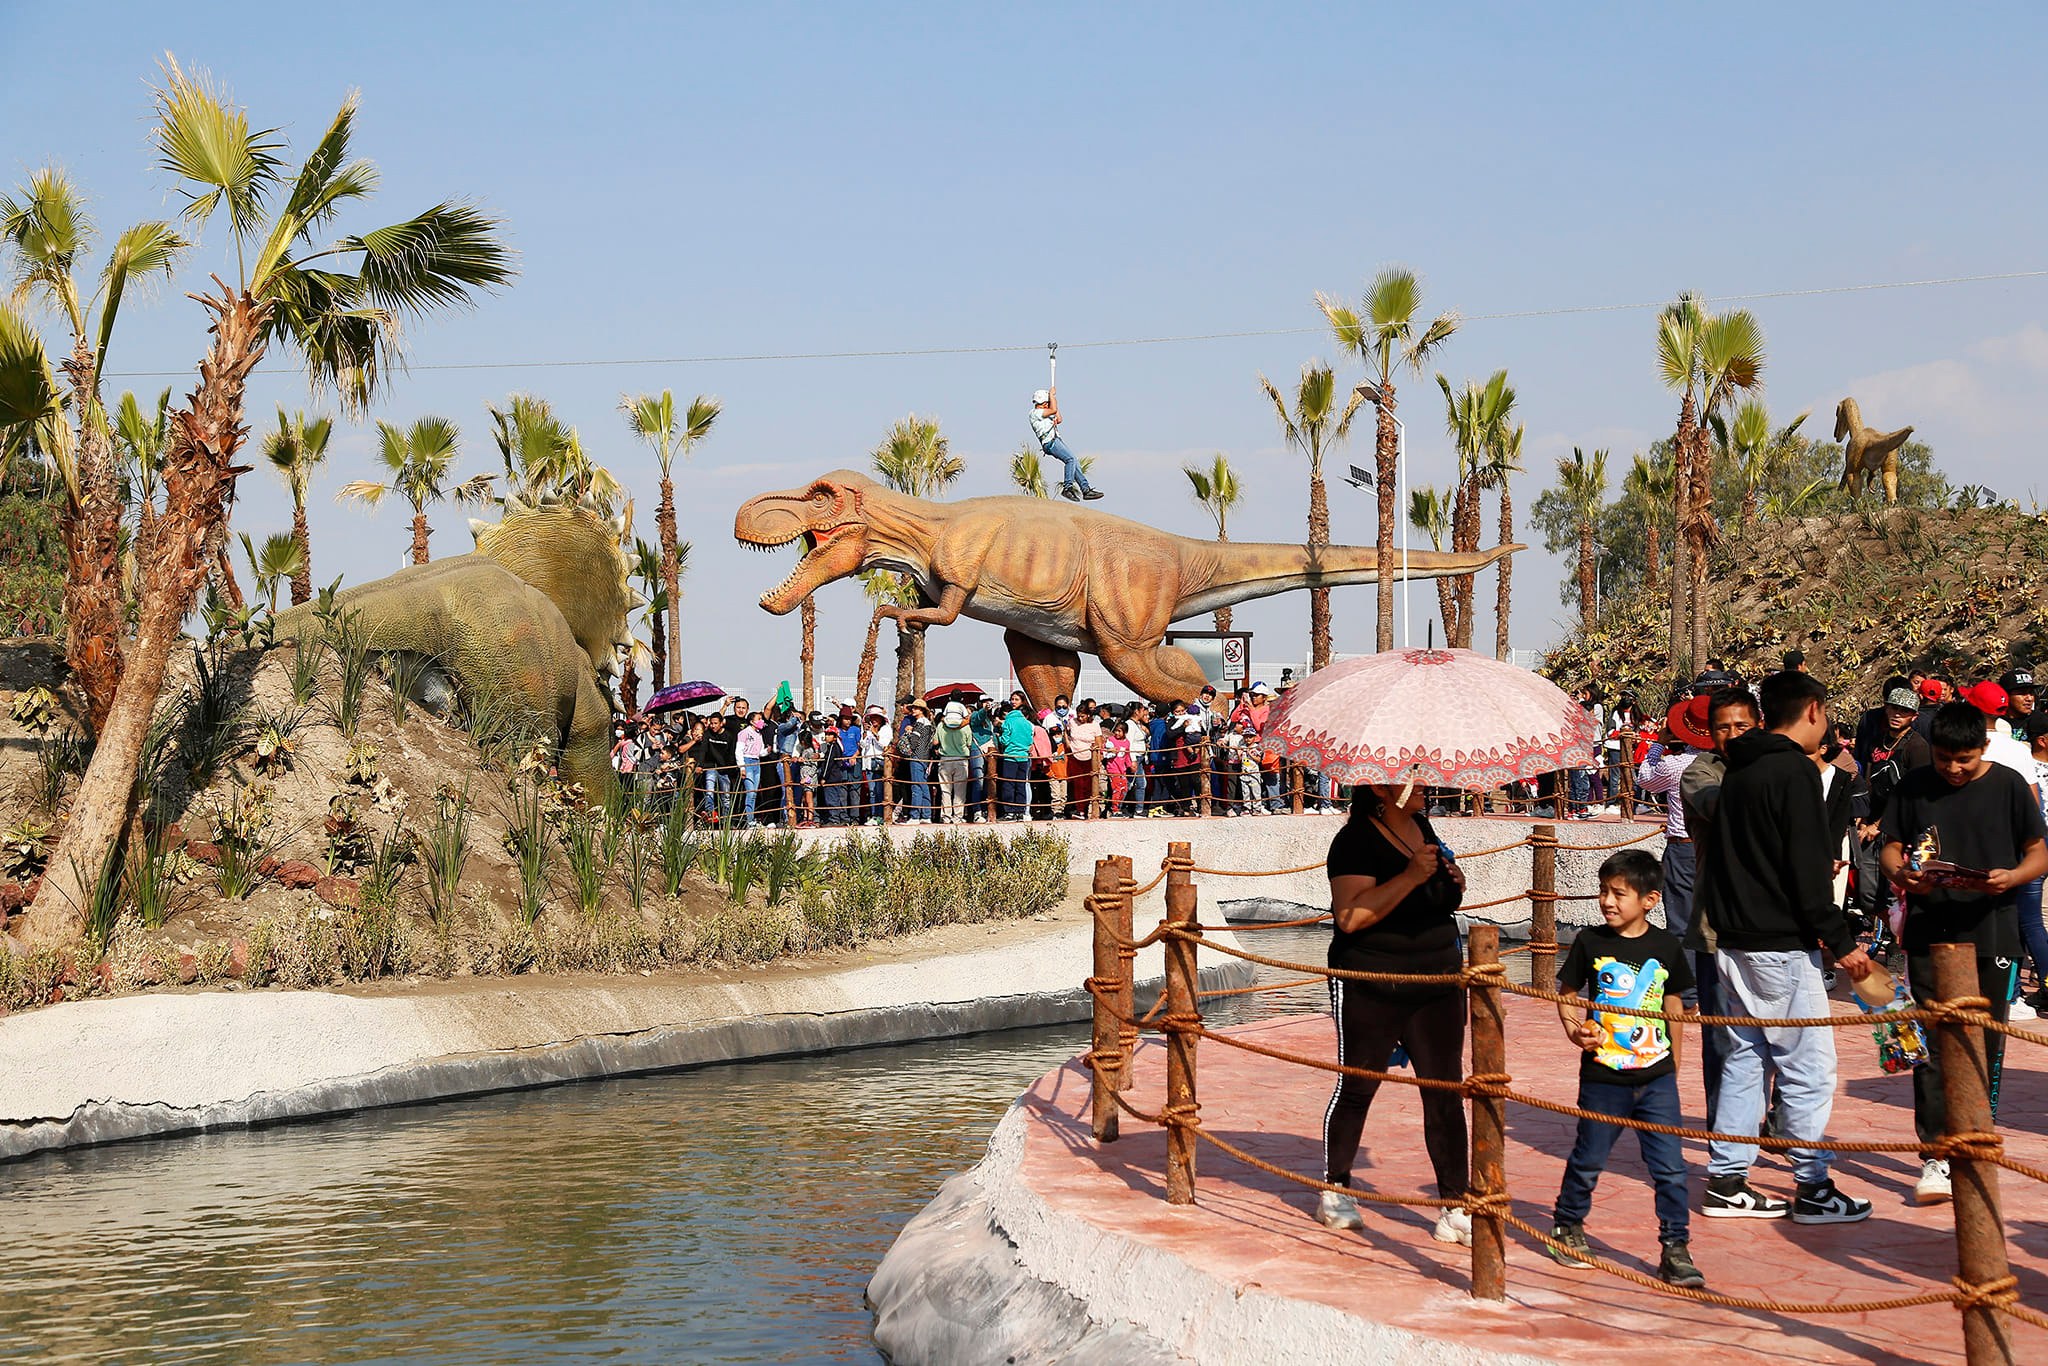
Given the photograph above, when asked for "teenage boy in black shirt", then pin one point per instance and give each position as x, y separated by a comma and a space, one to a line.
1630, 1068
1983, 816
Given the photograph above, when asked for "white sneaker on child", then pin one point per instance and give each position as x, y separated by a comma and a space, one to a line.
1453, 1226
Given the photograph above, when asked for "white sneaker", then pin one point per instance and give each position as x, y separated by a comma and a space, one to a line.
1338, 1211
2020, 1010
1453, 1226
1934, 1186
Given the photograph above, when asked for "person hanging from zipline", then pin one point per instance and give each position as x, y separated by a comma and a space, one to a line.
1045, 425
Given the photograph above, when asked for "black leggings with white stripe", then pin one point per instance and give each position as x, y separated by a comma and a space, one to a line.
1430, 1023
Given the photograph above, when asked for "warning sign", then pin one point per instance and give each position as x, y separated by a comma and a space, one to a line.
1236, 664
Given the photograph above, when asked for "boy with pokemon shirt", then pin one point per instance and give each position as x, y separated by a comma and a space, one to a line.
1628, 969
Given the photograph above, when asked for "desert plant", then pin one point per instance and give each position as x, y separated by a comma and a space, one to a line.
389, 857
104, 899
246, 832
404, 669
446, 849
308, 653
789, 863
57, 758
348, 846
526, 840
24, 850
33, 710
158, 876
643, 834
359, 764
276, 735
680, 846
579, 836
352, 662
210, 725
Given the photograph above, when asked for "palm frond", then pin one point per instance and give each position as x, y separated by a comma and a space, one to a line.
1027, 470
140, 253
366, 491
703, 411
28, 388
48, 227
1393, 299
203, 138
435, 260
1345, 325
1416, 355
326, 180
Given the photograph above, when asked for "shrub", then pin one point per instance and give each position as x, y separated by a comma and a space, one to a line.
446, 849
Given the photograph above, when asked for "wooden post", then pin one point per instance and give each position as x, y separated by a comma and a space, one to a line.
1183, 1012
1106, 1042
1204, 782
1295, 784
1489, 1121
1543, 906
1096, 806
1966, 1085
1126, 999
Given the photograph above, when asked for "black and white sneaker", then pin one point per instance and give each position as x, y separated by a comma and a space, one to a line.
1820, 1203
1729, 1197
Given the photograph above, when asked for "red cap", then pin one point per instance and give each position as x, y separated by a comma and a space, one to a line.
1986, 697
1930, 689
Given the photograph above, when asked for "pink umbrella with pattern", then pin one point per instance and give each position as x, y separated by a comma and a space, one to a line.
1440, 718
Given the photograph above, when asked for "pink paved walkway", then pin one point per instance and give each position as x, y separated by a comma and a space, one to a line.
1251, 1229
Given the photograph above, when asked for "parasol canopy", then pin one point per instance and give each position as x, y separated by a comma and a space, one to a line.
947, 691
692, 694
1440, 718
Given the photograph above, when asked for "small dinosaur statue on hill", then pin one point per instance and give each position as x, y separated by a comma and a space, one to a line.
1058, 579
533, 617
1868, 452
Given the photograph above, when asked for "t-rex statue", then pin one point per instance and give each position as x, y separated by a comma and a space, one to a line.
1868, 452
533, 618
1058, 579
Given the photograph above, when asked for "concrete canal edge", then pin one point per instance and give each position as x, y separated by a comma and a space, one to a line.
102, 1071
990, 1272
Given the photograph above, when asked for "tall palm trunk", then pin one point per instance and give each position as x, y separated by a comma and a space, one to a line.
1681, 506
907, 686
629, 686
1652, 549
1386, 462
1318, 598
1749, 498
866, 675
1465, 536
1698, 538
1503, 596
420, 532
199, 479
93, 619
1589, 589
1447, 608
808, 615
660, 650
918, 682
671, 577
1223, 613
302, 577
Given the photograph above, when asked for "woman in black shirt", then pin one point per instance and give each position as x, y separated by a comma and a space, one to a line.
1394, 892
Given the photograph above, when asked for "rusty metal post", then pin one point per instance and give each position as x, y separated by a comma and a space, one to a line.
1489, 1120
1183, 1014
1126, 998
1105, 1046
1966, 1085
1543, 906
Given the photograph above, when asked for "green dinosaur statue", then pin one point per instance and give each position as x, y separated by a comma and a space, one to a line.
534, 616
1058, 579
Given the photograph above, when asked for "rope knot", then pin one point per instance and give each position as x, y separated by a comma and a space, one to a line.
1487, 1204
1486, 975
1540, 838
1490, 1084
1996, 1294
1978, 1145
1186, 1113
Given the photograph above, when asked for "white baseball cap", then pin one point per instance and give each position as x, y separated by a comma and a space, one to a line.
1041, 396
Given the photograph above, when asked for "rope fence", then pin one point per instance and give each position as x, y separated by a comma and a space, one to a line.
1984, 1293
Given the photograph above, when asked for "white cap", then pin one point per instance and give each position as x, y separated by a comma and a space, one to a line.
1041, 397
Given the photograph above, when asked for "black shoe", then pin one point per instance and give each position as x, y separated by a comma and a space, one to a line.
1820, 1203
1068, 491
2039, 1000
1676, 1268
1729, 1197
1572, 1249
1091, 494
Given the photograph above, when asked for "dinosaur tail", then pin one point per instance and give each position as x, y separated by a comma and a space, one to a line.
1252, 569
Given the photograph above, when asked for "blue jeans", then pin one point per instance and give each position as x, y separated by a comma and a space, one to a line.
1073, 478
1137, 793
1655, 1102
920, 790
1782, 985
2033, 933
1678, 885
1013, 787
717, 790
977, 795
1713, 1038
750, 783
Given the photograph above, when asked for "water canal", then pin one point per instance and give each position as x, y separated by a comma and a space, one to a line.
726, 1214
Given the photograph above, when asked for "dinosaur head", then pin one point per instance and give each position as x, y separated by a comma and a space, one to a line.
826, 515
570, 551
1846, 417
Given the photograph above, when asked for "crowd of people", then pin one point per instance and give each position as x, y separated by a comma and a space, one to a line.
1796, 849
967, 758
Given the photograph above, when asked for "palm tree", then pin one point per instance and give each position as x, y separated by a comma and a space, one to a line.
915, 459
1705, 358
1027, 470
645, 565
1476, 419
1583, 482
279, 559
1753, 451
1429, 512
47, 231
653, 420
1503, 463
1313, 428
1648, 482
1382, 333
807, 617
139, 443
1217, 490
294, 450
337, 303
420, 460
31, 407
544, 456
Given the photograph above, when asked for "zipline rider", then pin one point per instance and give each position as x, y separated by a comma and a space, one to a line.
1045, 426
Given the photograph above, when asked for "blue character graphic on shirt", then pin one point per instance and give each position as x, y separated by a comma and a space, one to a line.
1629, 1042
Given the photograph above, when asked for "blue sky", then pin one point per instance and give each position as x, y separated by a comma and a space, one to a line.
689, 182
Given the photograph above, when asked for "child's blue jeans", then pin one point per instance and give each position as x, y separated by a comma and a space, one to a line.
1655, 1102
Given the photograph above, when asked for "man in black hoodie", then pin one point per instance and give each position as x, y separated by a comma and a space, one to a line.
1769, 893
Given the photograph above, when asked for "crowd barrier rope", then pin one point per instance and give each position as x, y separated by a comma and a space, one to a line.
1984, 1291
